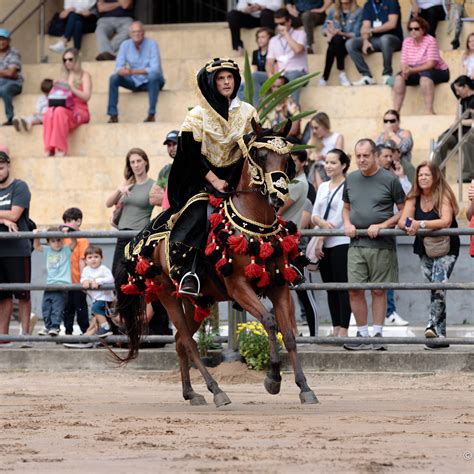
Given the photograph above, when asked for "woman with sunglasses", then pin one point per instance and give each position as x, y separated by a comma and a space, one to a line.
421, 64
76, 85
392, 131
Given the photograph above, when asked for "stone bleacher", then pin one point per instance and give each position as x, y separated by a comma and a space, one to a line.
95, 163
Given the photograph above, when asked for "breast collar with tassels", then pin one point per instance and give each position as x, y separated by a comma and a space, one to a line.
273, 182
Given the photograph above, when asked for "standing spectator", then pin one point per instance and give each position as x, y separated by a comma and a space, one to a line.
287, 50
369, 198
468, 57
60, 121
433, 11
76, 299
407, 171
432, 205
343, 22
58, 271
133, 194
26, 123
115, 18
312, 13
381, 31
392, 131
79, 17
421, 64
250, 15
332, 251
11, 80
15, 254
138, 68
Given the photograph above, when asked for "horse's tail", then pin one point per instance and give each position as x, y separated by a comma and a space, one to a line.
132, 311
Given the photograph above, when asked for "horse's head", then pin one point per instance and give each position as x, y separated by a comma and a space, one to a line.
270, 164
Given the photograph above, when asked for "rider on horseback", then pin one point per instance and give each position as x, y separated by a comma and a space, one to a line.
207, 160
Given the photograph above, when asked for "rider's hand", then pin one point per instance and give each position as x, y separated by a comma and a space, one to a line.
220, 185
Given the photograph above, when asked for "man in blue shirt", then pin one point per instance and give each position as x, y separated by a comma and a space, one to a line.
381, 31
137, 68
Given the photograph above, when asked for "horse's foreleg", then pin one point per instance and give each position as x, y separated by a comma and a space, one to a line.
284, 312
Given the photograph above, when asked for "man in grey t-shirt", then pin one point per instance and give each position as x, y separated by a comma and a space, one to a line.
369, 197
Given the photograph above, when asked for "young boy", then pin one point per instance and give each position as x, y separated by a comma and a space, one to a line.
93, 276
41, 105
76, 300
58, 269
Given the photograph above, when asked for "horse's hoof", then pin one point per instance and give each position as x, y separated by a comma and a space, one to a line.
221, 399
308, 398
197, 400
272, 386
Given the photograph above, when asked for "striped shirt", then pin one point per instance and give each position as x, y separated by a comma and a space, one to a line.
415, 54
12, 58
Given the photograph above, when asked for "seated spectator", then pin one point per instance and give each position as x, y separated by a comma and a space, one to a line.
470, 215
138, 68
421, 64
284, 110
433, 11
60, 121
26, 123
250, 15
343, 22
115, 18
468, 57
463, 89
312, 13
287, 50
392, 131
11, 80
323, 139
381, 31
79, 17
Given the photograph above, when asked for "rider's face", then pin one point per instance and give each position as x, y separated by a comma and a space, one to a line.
225, 83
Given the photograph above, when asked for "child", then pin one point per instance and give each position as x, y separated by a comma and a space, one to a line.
41, 105
58, 269
93, 276
468, 57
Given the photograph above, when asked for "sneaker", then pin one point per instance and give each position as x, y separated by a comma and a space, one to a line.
321, 82
365, 81
429, 346
104, 332
430, 332
395, 319
357, 347
17, 124
53, 332
27, 125
6, 344
378, 347
343, 80
387, 80
25, 345
58, 47
43, 332
87, 345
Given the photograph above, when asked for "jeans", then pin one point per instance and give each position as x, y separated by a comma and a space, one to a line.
52, 308
76, 304
310, 20
153, 86
8, 89
290, 75
77, 25
390, 302
112, 27
387, 43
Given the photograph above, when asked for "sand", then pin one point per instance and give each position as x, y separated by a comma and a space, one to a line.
126, 421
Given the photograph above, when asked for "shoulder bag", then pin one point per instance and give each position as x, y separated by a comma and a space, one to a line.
437, 246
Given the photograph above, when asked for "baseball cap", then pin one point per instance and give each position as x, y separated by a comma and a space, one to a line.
171, 137
391, 144
4, 33
4, 158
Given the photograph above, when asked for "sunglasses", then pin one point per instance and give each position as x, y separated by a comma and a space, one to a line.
414, 28
389, 120
67, 60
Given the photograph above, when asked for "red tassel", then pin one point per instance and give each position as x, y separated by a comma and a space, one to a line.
211, 246
289, 274
266, 250
130, 289
220, 263
142, 266
252, 270
214, 201
294, 253
238, 244
215, 219
289, 243
200, 314
264, 280
153, 290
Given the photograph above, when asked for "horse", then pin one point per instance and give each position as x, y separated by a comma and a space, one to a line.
251, 249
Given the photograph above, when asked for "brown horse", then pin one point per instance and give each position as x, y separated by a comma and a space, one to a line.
251, 216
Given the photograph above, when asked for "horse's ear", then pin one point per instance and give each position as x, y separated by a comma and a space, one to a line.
256, 127
287, 128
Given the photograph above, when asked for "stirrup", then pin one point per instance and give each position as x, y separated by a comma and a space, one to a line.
189, 293
299, 280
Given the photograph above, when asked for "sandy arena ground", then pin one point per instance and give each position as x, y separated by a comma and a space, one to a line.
136, 422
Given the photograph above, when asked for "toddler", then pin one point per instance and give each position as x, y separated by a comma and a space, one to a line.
93, 276
26, 123
58, 270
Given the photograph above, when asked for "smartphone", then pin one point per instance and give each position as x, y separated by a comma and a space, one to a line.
408, 222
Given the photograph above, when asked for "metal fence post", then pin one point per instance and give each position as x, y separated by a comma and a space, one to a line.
460, 156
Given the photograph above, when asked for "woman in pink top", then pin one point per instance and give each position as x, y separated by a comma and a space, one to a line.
59, 121
421, 64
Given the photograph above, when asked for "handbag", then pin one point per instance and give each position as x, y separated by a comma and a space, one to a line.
313, 265
437, 246
61, 96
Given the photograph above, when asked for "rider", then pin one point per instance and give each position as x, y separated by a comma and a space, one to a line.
206, 160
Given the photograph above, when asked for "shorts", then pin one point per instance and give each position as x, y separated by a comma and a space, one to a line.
436, 75
372, 265
15, 270
100, 307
